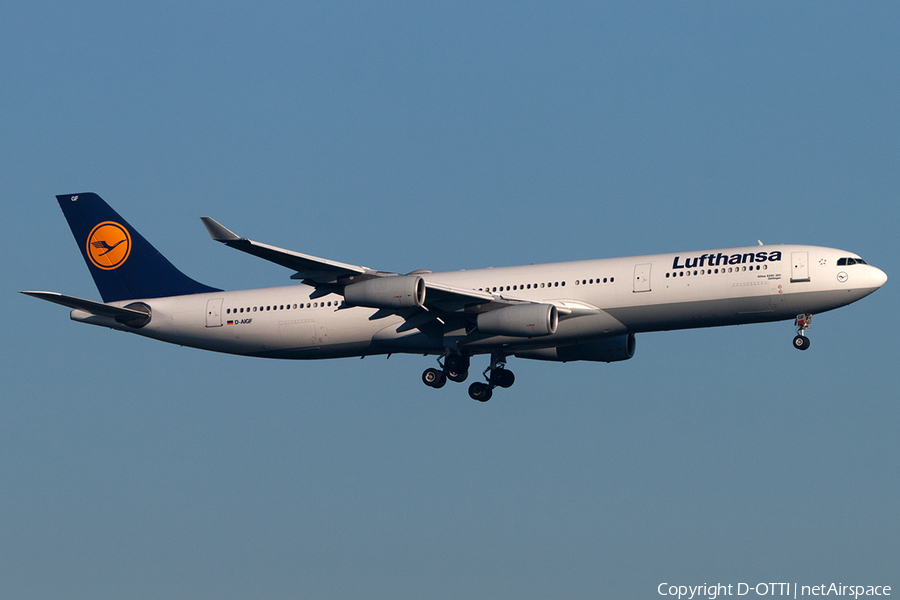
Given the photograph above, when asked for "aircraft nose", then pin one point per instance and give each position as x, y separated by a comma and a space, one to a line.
879, 276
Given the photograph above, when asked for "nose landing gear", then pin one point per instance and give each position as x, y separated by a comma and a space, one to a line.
801, 342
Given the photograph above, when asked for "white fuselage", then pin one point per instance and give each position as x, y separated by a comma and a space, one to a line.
597, 299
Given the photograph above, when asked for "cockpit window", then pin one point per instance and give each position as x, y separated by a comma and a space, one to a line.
850, 261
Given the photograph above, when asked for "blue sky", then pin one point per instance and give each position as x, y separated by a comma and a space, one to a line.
446, 136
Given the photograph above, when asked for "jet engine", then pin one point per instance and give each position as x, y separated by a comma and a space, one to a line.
523, 320
609, 350
401, 291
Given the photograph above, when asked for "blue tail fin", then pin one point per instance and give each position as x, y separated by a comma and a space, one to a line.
124, 265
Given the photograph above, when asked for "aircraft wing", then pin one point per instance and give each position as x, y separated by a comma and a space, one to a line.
319, 272
326, 275
313, 270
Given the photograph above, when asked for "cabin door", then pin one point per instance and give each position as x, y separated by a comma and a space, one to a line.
799, 266
642, 277
214, 313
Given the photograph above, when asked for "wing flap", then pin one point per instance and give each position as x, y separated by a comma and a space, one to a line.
454, 299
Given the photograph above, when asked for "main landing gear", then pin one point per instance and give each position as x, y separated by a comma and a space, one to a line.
497, 375
801, 342
455, 367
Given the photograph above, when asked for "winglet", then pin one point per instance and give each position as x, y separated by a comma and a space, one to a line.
219, 232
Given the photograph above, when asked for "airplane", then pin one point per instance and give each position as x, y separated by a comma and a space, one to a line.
586, 310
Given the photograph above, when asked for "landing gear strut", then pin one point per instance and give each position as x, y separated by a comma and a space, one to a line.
801, 342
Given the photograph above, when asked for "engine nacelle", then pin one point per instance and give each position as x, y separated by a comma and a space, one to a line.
401, 291
609, 350
523, 320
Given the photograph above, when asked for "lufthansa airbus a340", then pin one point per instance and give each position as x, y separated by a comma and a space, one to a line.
583, 310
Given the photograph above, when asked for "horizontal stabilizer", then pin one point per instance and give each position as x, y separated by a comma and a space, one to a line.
95, 308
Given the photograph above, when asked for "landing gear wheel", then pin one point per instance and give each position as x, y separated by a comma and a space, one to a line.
457, 377
456, 363
480, 391
434, 378
502, 378
801, 342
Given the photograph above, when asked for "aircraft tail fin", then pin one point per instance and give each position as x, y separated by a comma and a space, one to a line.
124, 265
